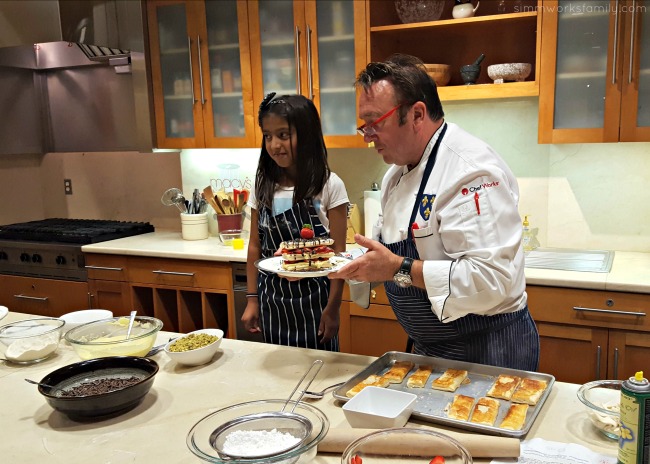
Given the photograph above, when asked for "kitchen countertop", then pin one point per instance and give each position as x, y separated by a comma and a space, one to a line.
155, 431
630, 271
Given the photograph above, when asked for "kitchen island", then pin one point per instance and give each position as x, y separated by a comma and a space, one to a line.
155, 431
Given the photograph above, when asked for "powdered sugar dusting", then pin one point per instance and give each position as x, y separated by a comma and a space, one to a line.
258, 442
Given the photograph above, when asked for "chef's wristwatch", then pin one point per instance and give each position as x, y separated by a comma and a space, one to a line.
403, 276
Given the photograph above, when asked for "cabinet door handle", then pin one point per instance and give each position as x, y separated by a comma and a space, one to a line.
598, 353
297, 51
102, 268
616, 363
35, 298
198, 50
185, 274
310, 79
608, 311
629, 76
189, 53
90, 300
614, 59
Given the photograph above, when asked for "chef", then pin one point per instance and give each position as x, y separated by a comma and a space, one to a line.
448, 247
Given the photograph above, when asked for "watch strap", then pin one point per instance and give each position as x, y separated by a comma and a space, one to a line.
405, 268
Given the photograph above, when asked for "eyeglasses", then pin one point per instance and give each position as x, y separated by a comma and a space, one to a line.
369, 129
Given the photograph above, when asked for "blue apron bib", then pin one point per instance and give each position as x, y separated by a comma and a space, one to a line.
506, 340
290, 311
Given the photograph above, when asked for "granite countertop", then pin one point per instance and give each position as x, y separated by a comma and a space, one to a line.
630, 271
156, 430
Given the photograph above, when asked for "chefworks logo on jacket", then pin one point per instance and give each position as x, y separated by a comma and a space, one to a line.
486, 185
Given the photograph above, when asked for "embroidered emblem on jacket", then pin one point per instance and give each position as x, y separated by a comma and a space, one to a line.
426, 205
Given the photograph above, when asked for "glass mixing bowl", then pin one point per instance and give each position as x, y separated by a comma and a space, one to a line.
201, 439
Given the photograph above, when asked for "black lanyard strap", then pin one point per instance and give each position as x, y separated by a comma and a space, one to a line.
425, 178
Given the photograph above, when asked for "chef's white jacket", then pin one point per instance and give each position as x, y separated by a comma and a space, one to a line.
469, 231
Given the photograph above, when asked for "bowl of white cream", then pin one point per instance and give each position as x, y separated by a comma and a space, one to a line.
31, 340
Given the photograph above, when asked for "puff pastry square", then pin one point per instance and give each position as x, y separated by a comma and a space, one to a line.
450, 380
461, 407
398, 371
370, 381
529, 391
419, 378
515, 417
485, 411
504, 386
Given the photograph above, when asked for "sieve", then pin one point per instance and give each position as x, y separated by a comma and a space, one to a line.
285, 421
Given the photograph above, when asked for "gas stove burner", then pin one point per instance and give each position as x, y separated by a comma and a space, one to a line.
76, 231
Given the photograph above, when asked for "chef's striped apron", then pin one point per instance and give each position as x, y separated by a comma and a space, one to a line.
506, 340
290, 311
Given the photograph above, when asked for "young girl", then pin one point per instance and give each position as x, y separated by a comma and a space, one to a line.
293, 187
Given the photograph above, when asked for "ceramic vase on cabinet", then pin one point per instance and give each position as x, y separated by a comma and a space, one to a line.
464, 9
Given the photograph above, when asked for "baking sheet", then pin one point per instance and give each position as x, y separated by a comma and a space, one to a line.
430, 404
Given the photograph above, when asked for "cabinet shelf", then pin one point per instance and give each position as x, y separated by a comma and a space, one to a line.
229, 46
487, 91
581, 75
332, 90
227, 95
496, 20
336, 38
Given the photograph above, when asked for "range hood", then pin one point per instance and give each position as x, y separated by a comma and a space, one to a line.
73, 76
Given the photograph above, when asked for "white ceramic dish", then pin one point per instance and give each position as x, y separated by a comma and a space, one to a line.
274, 265
379, 408
3, 312
199, 356
76, 318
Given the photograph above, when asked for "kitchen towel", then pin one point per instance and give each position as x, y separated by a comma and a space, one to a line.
371, 210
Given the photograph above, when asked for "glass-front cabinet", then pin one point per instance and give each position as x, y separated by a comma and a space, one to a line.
314, 48
213, 61
201, 73
595, 84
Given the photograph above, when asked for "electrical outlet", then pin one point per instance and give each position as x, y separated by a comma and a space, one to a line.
67, 186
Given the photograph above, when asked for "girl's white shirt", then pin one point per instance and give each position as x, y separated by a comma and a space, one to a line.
333, 195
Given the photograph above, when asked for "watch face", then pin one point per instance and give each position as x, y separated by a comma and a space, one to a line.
402, 280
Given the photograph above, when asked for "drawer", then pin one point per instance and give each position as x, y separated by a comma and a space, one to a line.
619, 310
180, 273
106, 267
377, 295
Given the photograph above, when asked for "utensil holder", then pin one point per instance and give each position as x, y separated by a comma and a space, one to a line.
229, 221
194, 226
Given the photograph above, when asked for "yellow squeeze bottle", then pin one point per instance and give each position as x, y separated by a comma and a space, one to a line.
527, 238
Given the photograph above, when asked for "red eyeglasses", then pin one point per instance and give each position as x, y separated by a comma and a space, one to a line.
370, 128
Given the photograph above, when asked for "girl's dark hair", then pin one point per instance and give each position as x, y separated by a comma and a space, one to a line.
410, 80
311, 157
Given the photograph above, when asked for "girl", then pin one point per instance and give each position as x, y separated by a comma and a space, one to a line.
293, 187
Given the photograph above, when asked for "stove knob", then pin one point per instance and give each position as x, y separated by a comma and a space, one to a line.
36, 258
25, 258
3, 255
60, 260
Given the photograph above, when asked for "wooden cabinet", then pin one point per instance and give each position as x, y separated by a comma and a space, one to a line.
510, 37
316, 49
588, 334
595, 79
201, 77
45, 297
372, 331
214, 61
185, 294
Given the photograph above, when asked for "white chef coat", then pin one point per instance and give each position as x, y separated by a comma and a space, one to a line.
473, 263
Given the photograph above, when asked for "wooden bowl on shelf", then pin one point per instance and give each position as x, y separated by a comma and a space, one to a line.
440, 73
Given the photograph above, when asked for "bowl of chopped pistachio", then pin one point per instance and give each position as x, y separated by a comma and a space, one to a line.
195, 348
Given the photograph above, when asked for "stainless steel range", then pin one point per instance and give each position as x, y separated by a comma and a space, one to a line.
51, 248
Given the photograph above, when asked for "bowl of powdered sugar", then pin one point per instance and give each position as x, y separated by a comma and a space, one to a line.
258, 431
31, 340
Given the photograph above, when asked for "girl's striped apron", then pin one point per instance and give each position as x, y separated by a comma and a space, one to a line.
290, 311
506, 340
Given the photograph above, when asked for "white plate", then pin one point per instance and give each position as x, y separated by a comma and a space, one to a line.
274, 265
3, 311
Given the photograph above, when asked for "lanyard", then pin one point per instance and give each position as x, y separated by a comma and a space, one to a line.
425, 178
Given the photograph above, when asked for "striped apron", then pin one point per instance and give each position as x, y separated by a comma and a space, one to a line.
506, 340
290, 311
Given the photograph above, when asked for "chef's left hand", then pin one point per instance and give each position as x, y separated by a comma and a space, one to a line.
378, 264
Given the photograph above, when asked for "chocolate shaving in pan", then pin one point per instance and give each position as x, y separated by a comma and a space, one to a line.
100, 386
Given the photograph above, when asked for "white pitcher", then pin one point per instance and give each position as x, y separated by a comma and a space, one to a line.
464, 10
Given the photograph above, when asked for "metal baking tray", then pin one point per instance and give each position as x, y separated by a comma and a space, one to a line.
430, 404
